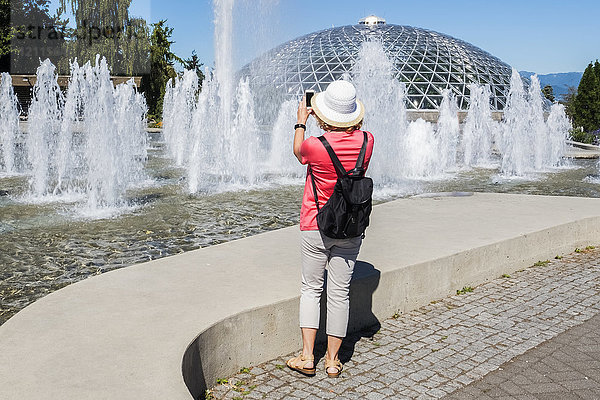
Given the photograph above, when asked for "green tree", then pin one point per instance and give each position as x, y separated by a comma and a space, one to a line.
569, 100
27, 33
548, 93
5, 28
596, 106
586, 105
106, 28
193, 63
162, 60
99, 13
6, 34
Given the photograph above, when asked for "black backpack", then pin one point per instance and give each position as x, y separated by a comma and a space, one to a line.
346, 213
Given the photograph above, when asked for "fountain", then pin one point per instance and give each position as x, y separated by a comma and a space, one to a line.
384, 98
411, 150
550, 135
126, 159
224, 73
217, 154
88, 144
537, 125
73, 104
448, 131
179, 105
516, 142
9, 124
43, 126
213, 135
422, 160
281, 159
558, 131
527, 144
479, 130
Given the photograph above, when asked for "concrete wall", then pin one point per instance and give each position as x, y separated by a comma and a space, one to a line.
432, 115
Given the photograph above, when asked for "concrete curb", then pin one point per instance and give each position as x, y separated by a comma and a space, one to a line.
585, 146
159, 329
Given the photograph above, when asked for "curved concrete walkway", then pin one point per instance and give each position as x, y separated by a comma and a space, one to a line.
166, 328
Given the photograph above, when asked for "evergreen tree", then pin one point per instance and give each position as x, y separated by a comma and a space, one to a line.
193, 63
569, 101
596, 106
586, 105
548, 92
161, 67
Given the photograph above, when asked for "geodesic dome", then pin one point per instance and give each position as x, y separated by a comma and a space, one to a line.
426, 61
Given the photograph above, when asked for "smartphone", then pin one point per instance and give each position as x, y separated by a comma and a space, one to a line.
309, 95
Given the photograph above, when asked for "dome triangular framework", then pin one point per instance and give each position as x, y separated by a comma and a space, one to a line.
426, 61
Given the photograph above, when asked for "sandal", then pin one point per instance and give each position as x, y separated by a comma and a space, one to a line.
333, 364
299, 364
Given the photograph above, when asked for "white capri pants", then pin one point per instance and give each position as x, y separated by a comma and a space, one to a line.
339, 255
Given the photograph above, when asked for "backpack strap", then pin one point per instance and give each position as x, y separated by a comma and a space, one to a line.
359, 169
339, 168
314, 185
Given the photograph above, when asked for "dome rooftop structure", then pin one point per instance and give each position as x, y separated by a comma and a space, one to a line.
426, 61
371, 20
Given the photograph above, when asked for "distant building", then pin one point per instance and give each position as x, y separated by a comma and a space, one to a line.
427, 61
23, 85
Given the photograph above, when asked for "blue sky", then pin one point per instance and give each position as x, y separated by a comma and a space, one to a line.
533, 35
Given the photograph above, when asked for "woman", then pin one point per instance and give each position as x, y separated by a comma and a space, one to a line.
340, 115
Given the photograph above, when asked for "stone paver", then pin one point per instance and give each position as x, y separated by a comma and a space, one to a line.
447, 345
566, 367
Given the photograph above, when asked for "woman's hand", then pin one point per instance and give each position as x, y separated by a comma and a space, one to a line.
303, 111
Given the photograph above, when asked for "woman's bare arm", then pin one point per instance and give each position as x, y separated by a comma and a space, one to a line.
303, 113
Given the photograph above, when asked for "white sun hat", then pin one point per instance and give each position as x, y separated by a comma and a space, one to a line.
338, 106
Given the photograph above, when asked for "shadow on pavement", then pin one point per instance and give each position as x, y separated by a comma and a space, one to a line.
362, 322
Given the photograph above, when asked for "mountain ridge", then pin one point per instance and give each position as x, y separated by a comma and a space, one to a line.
560, 81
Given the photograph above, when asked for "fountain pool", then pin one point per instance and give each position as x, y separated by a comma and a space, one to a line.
48, 246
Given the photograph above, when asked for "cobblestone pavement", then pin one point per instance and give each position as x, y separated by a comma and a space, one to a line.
566, 367
433, 351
